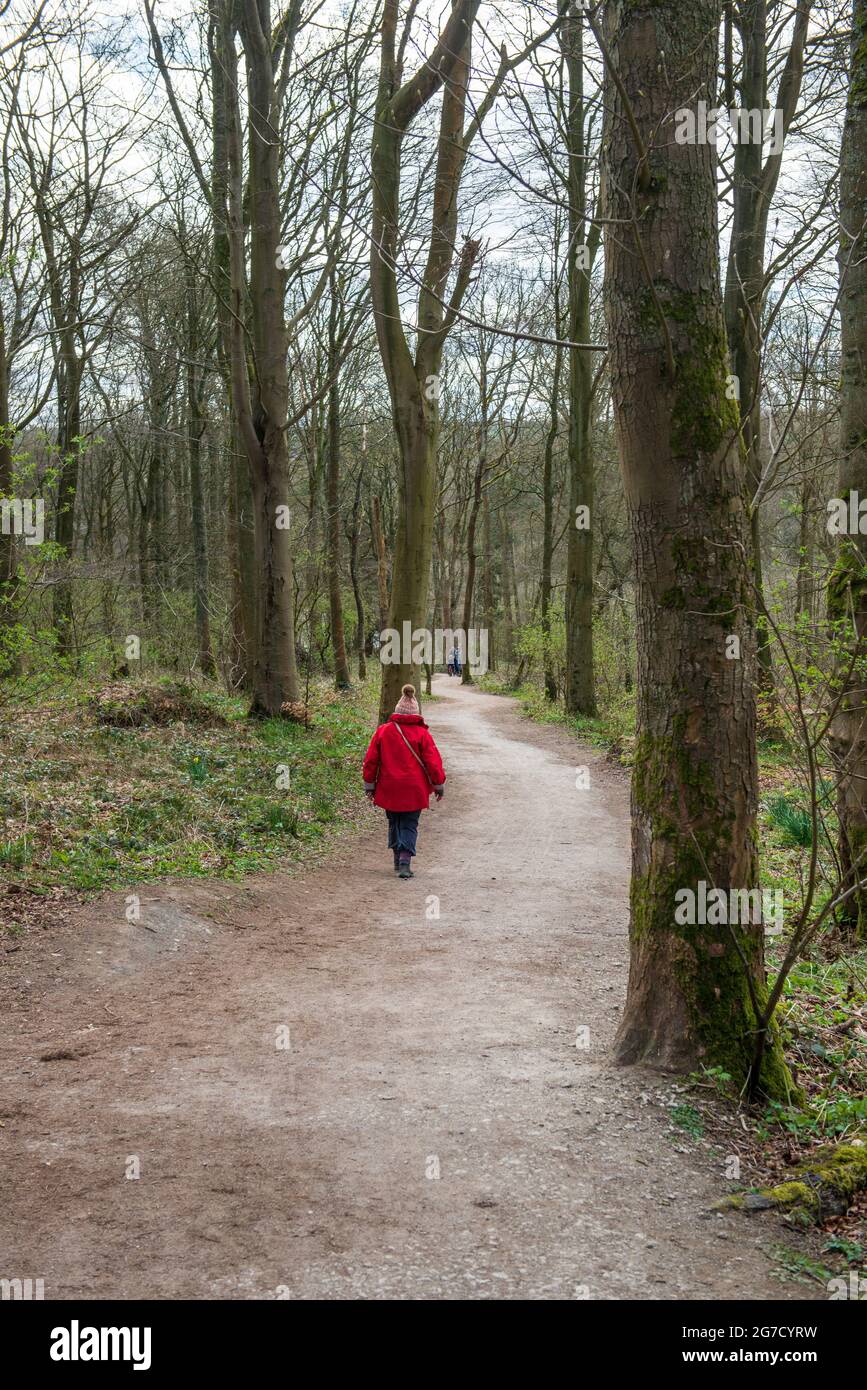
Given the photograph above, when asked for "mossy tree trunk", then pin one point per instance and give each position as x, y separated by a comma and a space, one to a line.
848, 592
693, 990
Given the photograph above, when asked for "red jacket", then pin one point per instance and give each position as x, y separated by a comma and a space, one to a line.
400, 783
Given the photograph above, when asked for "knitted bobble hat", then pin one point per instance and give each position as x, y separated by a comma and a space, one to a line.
407, 704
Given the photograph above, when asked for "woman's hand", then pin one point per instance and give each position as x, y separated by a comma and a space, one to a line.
439, 795
370, 796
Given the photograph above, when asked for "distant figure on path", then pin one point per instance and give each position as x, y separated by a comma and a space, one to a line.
402, 767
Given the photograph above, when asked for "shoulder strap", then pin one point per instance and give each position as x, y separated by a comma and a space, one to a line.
412, 750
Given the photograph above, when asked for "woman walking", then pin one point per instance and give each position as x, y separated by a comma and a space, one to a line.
401, 769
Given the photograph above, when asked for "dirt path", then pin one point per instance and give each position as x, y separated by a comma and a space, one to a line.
418, 1045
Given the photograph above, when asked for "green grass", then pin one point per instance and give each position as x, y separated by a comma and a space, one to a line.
687, 1118
800, 1267
792, 819
794, 1266
613, 728
88, 806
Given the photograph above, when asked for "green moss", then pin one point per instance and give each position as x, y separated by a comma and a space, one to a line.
706, 964
858, 68
703, 417
848, 581
790, 1194
823, 1185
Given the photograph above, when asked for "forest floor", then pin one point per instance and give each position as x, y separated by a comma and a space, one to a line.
334, 1084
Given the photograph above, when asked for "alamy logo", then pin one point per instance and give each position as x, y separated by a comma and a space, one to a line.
23, 518
421, 646
847, 516
75, 1343
703, 125
22, 1290
716, 907
854, 1287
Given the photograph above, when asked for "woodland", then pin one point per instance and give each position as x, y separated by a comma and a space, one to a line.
543, 321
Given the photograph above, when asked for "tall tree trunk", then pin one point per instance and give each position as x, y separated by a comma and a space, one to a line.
68, 447
225, 139
805, 577
195, 431
245, 613
694, 990
516, 593
263, 397
238, 666
381, 561
847, 602
551, 688
354, 536
318, 446
488, 596
9, 581
580, 690
508, 586
475, 509
413, 381
342, 676
754, 183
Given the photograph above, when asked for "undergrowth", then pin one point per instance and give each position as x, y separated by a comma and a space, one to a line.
87, 804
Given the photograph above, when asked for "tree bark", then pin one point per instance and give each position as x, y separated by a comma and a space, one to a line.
413, 382
550, 678
262, 397
847, 599
475, 509
9, 581
225, 137
70, 368
488, 582
342, 676
381, 561
580, 690
754, 183
507, 589
354, 536
195, 432
694, 990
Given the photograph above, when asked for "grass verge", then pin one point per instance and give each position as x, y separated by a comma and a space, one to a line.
86, 804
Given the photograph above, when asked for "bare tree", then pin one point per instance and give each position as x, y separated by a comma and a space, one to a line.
754, 181
74, 142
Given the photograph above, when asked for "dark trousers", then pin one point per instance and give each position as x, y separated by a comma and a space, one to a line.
403, 831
